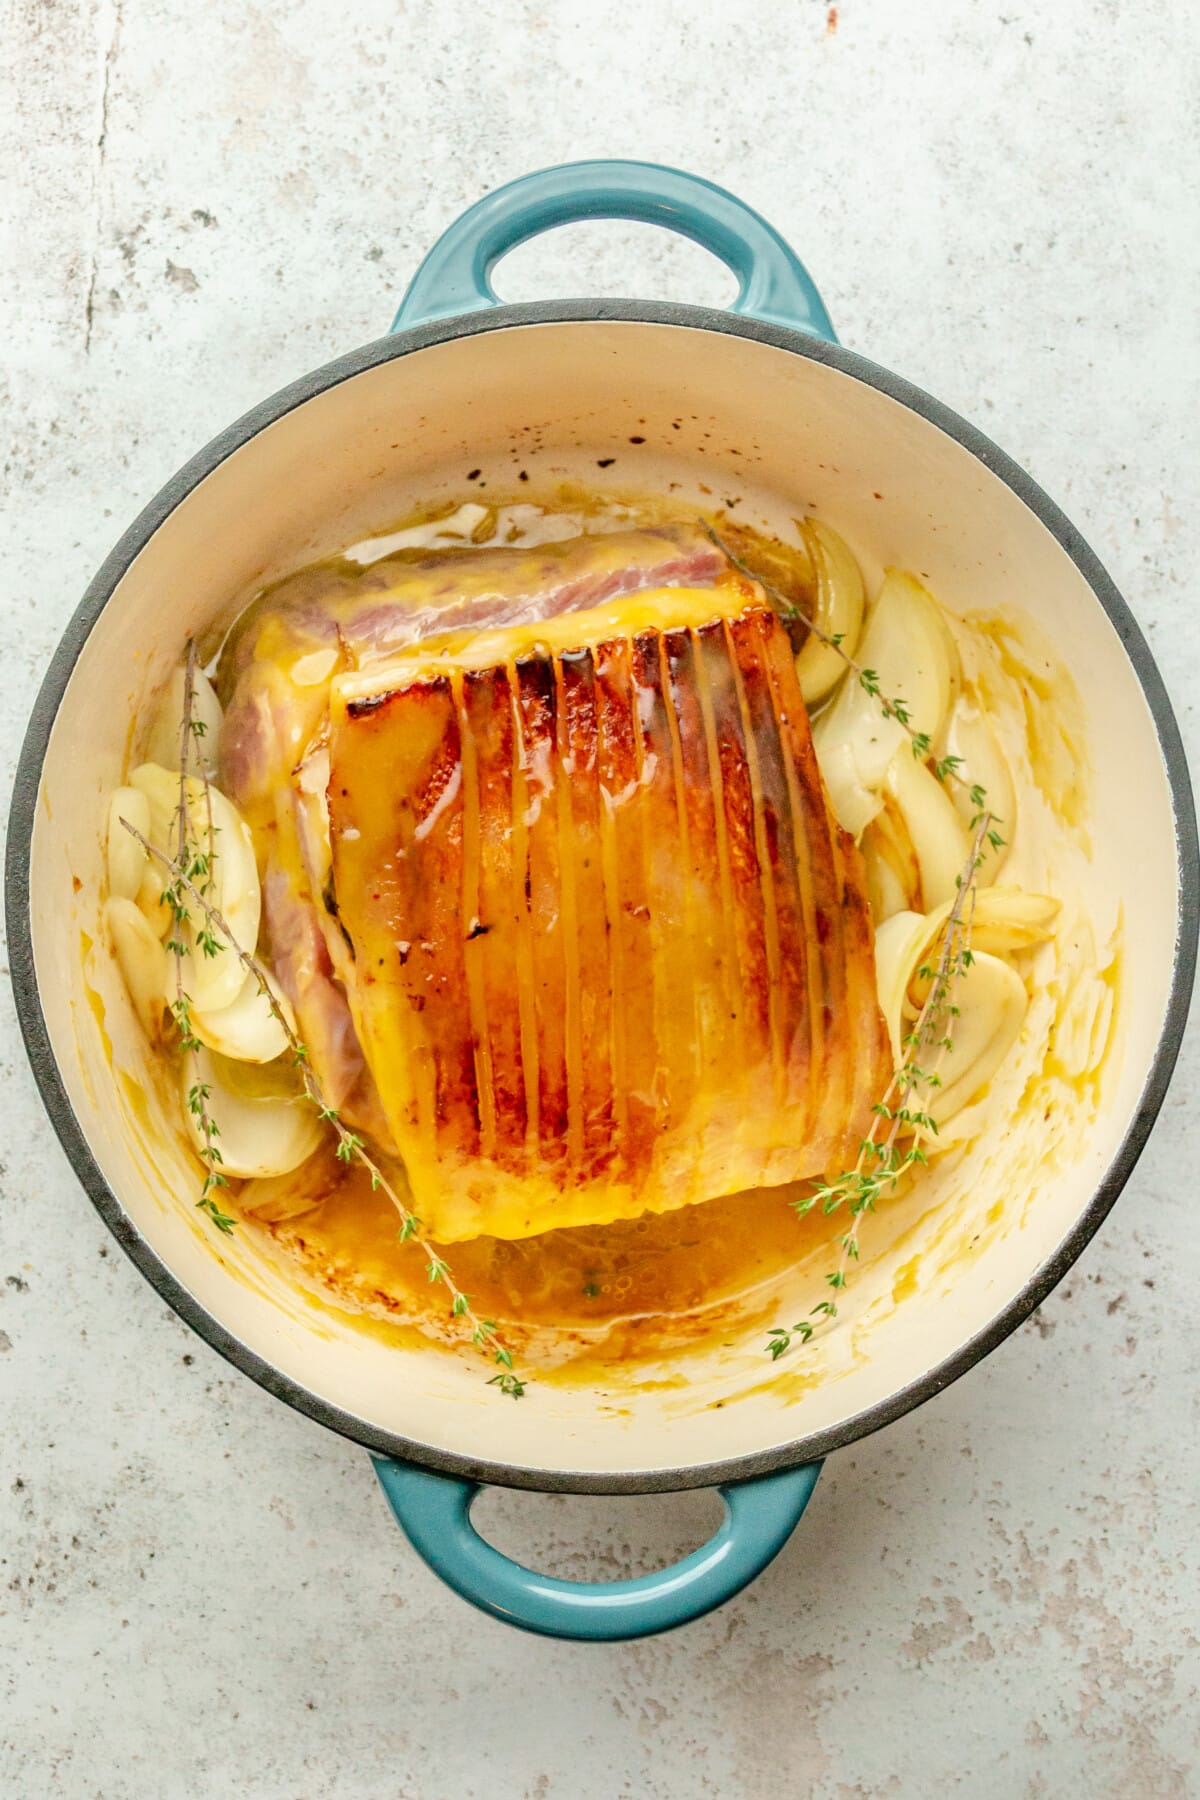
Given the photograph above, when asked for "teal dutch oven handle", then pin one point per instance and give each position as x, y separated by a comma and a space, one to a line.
456, 276
434, 1512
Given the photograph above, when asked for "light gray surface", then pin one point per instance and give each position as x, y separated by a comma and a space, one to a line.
200, 1593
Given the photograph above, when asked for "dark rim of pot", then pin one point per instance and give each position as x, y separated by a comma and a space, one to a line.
62, 1116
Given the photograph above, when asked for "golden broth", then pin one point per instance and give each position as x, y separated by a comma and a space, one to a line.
667, 1267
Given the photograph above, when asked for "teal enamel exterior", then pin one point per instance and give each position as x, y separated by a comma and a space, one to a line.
434, 1512
773, 283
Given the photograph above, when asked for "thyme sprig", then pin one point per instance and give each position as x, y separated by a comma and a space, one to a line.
189, 857
485, 1335
903, 1112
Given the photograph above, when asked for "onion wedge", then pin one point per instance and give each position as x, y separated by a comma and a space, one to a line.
141, 960
263, 1127
126, 859
936, 832
991, 999
909, 652
893, 872
899, 944
211, 981
246, 1030
1005, 920
163, 744
982, 763
839, 611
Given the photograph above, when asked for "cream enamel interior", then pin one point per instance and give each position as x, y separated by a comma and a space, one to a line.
785, 435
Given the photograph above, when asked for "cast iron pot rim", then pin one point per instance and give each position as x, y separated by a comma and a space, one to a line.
62, 1115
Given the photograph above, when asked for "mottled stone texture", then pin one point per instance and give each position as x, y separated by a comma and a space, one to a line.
202, 1595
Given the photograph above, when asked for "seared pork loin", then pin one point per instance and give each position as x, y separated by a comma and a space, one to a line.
553, 885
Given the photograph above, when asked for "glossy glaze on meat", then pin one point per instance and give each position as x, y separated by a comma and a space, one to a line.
610, 951
276, 672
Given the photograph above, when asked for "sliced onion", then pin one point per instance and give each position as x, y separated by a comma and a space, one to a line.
263, 1126
991, 999
212, 982
246, 1030
838, 610
899, 944
893, 872
141, 960
216, 981
1006, 919
149, 897
854, 804
126, 858
163, 745
887, 891
160, 786
970, 736
938, 836
908, 647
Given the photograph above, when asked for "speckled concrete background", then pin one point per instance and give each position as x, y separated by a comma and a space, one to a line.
200, 1593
